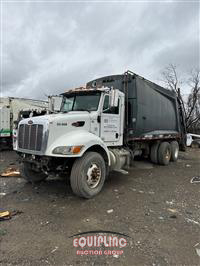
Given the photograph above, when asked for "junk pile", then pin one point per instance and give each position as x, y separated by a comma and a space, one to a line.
11, 172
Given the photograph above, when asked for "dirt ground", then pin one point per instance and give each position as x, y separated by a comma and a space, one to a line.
156, 206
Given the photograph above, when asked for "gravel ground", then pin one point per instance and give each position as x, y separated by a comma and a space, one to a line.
156, 206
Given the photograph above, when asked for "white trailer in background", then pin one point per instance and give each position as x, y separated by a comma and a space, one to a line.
193, 140
12, 110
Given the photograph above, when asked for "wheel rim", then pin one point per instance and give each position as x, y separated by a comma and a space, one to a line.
93, 175
167, 154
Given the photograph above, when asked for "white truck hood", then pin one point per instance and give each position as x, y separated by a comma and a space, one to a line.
60, 127
53, 118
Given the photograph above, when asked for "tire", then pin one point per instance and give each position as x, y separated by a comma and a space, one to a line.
82, 182
154, 153
164, 153
174, 151
30, 175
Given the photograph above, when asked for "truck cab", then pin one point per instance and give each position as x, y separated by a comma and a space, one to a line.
78, 140
104, 107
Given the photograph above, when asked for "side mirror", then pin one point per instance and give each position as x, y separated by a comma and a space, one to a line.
114, 96
15, 124
54, 103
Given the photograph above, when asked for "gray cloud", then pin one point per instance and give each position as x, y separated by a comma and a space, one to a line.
49, 47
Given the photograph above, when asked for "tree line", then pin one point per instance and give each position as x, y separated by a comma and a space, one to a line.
191, 103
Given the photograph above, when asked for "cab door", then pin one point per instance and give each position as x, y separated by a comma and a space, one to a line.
110, 122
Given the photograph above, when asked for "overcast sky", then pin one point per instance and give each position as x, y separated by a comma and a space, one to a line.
49, 47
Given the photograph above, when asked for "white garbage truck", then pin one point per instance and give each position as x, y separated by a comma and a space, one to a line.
12, 110
100, 129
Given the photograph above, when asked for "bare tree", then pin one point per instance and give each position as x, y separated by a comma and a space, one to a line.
191, 107
193, 102
170, 78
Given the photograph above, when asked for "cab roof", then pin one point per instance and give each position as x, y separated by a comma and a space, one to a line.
85, 90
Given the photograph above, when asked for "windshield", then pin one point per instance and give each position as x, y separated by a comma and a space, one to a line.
85, 102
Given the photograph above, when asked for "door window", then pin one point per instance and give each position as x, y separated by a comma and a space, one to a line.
107, 109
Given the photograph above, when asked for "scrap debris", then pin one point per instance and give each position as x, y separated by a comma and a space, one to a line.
198, 251
195, 179
172, 210
54, 249
110, 211
170, 202
192, 221
11, 172
6, 215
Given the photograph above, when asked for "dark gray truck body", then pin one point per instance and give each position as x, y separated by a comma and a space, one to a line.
151, 111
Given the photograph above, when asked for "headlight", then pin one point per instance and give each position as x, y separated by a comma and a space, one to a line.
65, 150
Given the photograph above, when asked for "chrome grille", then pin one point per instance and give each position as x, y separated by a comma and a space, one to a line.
30, 137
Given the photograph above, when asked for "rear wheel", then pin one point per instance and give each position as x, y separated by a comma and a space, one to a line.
164, 153
31, 175
175, 151
154, 152
88, 175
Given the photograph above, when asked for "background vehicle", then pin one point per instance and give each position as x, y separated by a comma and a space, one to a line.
12, 110
101, 128
193, 140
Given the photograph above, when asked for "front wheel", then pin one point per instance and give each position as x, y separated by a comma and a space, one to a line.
30, 175
88, 175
